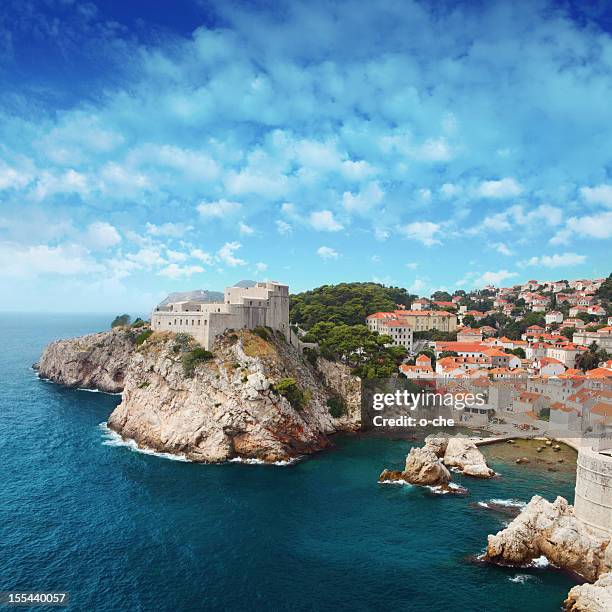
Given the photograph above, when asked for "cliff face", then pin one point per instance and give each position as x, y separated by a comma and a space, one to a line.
337, 378
224, 407
98, 361
228, 408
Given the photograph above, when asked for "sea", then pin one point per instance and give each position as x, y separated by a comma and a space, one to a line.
85, 513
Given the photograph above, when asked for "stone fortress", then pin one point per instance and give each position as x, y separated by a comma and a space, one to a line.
265, 304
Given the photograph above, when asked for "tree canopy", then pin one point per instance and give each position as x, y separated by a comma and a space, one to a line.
364, 351
348, 303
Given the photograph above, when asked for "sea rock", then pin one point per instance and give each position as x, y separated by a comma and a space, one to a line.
596, 597
423, 467
97, 361
437, 443
463, 454
552, 530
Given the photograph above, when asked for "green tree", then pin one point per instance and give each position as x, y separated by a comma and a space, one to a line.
588, 360
121, 320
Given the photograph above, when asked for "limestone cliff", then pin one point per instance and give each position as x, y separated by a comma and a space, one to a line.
98, 361
231, 404
552, 530
338, 379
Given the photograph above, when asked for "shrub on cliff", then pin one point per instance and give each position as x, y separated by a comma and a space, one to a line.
193, 358
288, 388
336, 406
262, 332
142, 336
121, 320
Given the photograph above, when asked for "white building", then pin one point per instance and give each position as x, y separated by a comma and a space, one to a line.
399, 331
266, 304
554, 316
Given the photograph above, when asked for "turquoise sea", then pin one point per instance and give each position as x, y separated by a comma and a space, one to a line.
122, 530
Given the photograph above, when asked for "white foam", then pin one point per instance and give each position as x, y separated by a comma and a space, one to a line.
401, 481
112, 438
437, 489
520, 578
97, 391
248, 461
508, 503
540, 562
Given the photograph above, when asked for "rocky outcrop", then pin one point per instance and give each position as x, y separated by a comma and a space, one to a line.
463, 454
552, 530
422, 467
595, 597
428, 465
221, 408
98, 361
229, 407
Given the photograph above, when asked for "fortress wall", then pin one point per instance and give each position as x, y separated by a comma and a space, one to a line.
593, 501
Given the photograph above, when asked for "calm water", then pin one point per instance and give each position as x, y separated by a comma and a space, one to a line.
122, 530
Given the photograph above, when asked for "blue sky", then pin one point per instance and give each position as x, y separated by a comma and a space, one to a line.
148, 147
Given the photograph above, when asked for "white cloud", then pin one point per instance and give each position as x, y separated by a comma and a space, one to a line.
175, 255
494, 278
364, 200
422, 231
226, 254
323, 221
218, 209
557, 260
325, 252
175, 271
417, 285
30, 261
590, 226
283, 228
601, 194
101, 235
381, 234
502, 248
245, 230
449, 190
504, 188
172, 230
261, 267
413, 265
207, 258
11, 178
147, 257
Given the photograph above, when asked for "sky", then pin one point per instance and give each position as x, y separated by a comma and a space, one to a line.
149, 147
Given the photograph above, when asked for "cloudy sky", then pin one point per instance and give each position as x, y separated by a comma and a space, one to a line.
164, 146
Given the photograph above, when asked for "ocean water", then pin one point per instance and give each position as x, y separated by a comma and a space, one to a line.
123, 530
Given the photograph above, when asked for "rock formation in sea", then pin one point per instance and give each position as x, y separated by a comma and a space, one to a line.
552, 530
428, 465
463, 454
253, 398
98, 361
596, 597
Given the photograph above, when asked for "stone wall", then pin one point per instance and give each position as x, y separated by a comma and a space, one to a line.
593, 501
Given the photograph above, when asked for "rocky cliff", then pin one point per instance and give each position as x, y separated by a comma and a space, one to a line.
253, 398
98, 361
